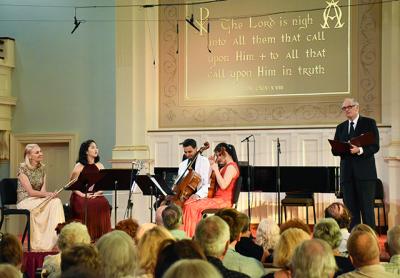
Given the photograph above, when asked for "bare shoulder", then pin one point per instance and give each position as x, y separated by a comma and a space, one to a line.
100, 165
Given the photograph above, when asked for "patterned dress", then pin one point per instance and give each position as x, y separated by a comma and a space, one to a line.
192, 212
45, 220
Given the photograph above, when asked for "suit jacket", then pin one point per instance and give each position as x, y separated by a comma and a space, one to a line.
359, 167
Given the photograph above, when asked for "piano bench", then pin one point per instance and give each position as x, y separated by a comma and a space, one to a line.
298, 202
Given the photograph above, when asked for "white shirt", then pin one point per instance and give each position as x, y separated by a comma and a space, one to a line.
202, 168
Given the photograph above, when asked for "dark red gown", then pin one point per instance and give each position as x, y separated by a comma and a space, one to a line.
98, 210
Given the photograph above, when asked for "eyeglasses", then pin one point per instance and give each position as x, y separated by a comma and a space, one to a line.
344, 108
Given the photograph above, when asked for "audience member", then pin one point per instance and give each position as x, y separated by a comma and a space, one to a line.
11, 251
9, 271
212, 234
197, 269
342, 216
364, 254
313, 259
283, 252
70, 235
118, 254
172, 251
392, 246
144, 228
246, 245
129, 226
81, 255
172, 219
159, 211
328, 230
267, 236
232, 259
80, 272
295, 223
366, 228
149, 246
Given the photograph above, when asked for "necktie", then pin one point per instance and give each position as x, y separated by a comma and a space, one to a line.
352, 131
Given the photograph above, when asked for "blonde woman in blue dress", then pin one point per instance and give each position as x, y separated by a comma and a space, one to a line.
31, 192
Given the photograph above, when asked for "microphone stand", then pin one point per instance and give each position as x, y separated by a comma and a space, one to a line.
129, 206
278, 180
247, 139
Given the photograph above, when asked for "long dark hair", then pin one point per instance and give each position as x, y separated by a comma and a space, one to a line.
82, 152
230, 149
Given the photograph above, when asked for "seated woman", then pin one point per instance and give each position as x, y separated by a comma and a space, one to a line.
225, 185
98, 209
31, 192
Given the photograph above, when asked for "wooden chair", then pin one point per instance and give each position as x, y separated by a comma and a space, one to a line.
235, 198
298, 200
379, 202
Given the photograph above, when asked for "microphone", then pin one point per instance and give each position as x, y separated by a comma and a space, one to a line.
247, 138
278, 145
191, 22
76, 23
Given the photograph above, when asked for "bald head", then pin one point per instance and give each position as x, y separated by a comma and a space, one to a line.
363, 248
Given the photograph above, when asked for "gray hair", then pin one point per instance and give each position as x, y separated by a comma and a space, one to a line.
328, 230
71, 234
313, 259
172, 217
267, 234
352, 100
213, 235
196, 267
393, 240
118, 254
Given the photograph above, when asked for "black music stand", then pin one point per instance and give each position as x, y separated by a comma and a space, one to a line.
114, 179
150, 186
82, 184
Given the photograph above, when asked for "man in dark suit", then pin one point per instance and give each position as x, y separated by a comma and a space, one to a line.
357, 166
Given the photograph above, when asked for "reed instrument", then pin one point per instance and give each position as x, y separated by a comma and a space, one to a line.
39, 208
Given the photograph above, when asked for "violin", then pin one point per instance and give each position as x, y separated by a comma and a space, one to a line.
187, 185
213, 179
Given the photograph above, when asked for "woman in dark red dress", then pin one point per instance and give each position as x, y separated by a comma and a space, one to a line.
98, 208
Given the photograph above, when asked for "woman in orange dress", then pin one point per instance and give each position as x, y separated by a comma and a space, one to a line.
98, 209
225, 184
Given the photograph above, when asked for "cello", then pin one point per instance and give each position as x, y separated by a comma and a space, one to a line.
186, 186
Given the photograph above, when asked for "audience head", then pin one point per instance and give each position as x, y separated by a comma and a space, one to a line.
80, 272
267, 234
159, 211
393, 241
72, 234
172, 217
365, 228
244, 222
363, 248
288, 241
10, 250
118, 253
313, 259
328, 230
80, 255
149, 246
231, 217
340, 213
129, 226
83, 152
172, 251
230, 149
212, 234
196, 268
144, 228
295, 223
9, 271
32, 156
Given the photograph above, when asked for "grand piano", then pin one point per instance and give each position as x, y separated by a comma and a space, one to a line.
294, 179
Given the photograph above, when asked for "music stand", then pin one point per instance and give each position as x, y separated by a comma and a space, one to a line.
114, 179
149, 185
